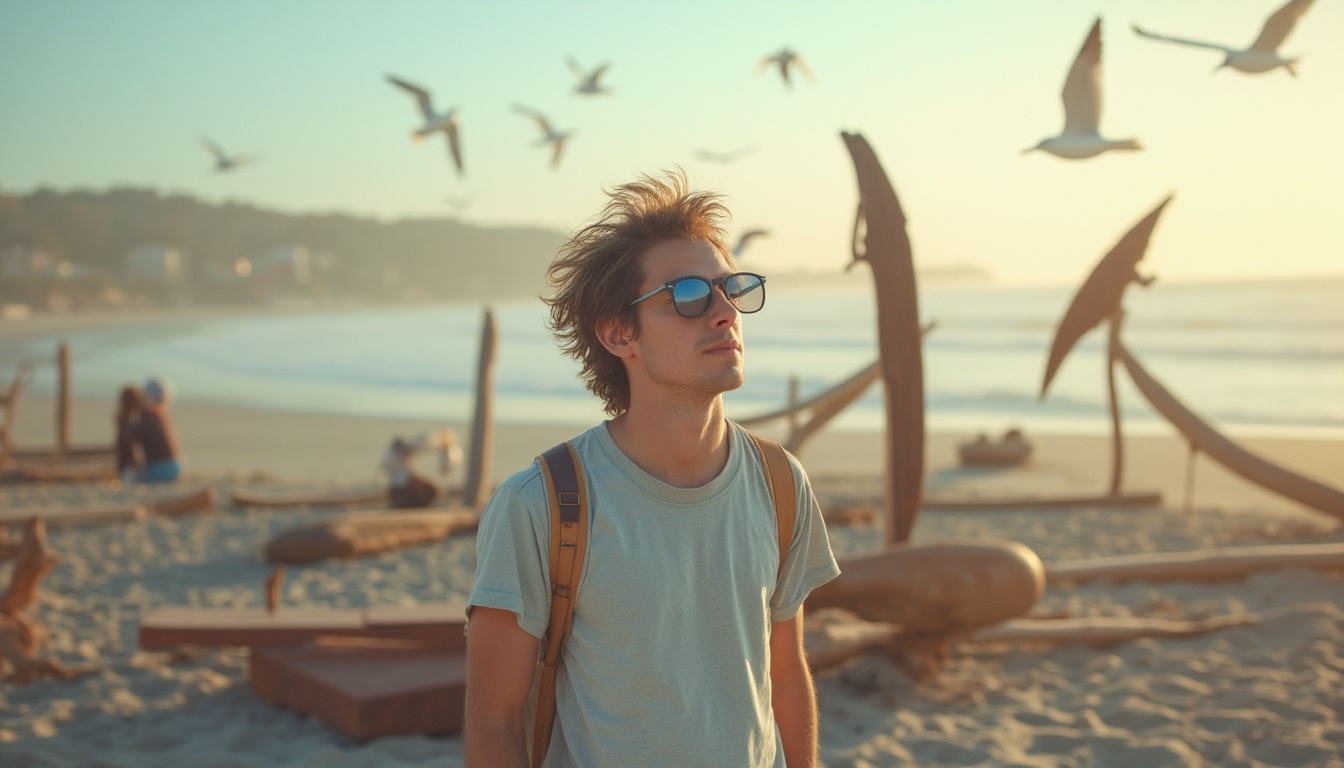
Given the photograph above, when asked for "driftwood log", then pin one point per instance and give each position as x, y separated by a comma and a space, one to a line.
367, 533
69, 517
941, 588
21, 638
833, 639
1219, 564
281, 500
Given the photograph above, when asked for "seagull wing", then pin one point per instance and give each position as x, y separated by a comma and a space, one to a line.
801, 66
747, 237
420, 94
535, 115
454, 145
1179, 40
1082, 88
597, 73
214, 149
575, 68
1279, 24
557, 146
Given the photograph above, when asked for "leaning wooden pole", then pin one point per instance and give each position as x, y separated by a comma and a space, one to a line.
63, 401
886, 248
1215, 445
1117, 437
483, 425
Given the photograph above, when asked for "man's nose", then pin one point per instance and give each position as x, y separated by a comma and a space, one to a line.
721, 310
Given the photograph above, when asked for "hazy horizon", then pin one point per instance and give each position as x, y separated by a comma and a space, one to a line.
948, 94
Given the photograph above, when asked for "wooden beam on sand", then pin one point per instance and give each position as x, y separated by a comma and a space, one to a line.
439, 624
366, 688
1124, 500
367, 533
1102, 631
70, 517
1217, 564
287, 499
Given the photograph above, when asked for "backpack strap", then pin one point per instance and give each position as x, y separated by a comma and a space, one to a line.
568, 503
779, 477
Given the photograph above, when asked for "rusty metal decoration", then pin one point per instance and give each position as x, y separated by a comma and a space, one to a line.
1100, 299
886, 249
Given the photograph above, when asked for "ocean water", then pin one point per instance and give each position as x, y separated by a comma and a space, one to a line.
1251, 357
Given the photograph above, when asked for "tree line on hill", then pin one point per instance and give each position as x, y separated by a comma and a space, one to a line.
354, 256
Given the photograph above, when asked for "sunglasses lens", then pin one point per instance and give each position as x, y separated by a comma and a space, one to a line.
747, 292
690, 296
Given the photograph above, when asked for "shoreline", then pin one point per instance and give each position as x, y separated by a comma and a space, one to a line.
235, 441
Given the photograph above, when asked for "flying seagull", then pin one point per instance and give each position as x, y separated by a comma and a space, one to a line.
725, 158
1082, 107
434, 121
747, 237
1263, 55
550, 136
786, 59
588, 81
225, 162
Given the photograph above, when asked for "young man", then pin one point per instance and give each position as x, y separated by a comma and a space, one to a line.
686, 645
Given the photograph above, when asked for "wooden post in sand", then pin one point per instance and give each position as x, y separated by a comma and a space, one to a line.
483, 426
886, 248
63, 401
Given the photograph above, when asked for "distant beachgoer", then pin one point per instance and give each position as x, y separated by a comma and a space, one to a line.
156, 436
130, 408
407, 488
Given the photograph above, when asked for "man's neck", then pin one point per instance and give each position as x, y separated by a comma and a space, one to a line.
685, 447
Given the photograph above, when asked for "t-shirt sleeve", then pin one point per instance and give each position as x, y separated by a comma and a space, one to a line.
513, 556
810, 562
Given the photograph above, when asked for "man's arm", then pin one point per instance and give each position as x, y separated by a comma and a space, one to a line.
792, 696
501, 662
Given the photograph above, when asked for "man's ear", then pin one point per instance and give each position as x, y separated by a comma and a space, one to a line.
615, 337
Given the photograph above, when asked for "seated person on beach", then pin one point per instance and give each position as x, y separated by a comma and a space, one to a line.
130, 407
407, 488
156, 437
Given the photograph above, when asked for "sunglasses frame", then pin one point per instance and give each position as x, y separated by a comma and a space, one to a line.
719, 282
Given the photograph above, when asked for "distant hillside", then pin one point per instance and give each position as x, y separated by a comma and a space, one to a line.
431, 257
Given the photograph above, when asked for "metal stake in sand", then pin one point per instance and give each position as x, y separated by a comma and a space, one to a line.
483, 427
887, 251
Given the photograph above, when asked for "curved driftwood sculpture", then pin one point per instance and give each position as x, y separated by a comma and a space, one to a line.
820, 408
887, 251
1218, 564
477, 487
21, 637
9, 406
1100, 299
940, 588
282, 500
1238, 460
367, 533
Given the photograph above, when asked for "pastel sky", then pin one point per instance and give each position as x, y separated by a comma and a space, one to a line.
96, 94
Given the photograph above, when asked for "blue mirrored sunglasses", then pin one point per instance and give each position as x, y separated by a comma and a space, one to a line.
692, 295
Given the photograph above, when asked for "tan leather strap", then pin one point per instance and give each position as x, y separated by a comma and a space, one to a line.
779, 476
568, 503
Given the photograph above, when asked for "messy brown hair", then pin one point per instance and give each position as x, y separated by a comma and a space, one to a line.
598, 272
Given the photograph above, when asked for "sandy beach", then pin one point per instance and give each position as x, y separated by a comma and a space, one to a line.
1267, 694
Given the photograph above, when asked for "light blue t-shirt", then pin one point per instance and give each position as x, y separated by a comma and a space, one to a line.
667, 662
